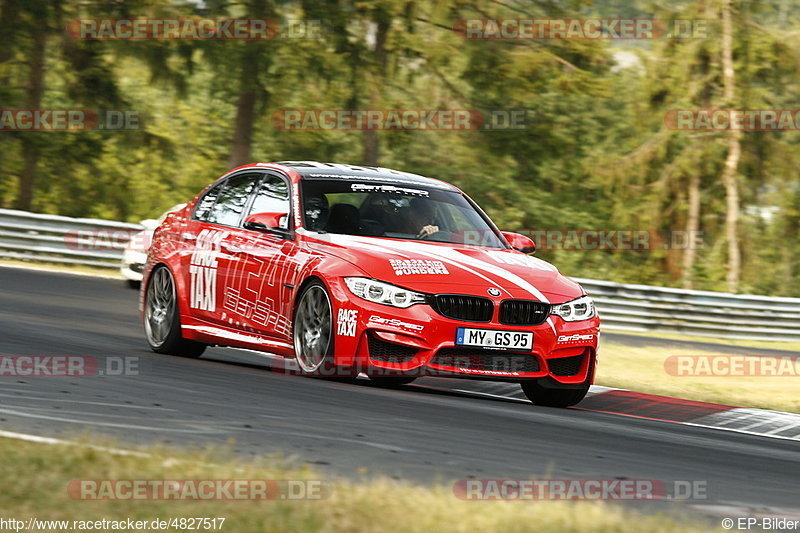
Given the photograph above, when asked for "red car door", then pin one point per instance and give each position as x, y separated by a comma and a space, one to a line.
210, 232
259, 285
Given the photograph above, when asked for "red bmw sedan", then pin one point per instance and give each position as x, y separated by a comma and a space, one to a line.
349, 269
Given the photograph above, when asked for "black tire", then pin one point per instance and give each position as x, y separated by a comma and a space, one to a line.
553, 397
312, 335
162, 323
133, 284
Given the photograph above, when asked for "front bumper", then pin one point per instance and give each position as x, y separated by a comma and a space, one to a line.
418, 341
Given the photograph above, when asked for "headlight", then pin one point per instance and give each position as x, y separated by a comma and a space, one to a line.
383, 293
578, 309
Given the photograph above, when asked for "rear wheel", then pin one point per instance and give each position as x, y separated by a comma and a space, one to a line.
552, 397
313, 334
162, 323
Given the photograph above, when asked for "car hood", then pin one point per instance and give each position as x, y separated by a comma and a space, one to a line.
448, 268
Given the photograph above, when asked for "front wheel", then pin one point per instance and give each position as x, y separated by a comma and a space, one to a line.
162, 323
551, 397
313, 334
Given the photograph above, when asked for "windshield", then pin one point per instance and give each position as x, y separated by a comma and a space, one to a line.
396, 211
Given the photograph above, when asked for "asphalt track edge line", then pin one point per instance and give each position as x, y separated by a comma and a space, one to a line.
61, 442
27, 437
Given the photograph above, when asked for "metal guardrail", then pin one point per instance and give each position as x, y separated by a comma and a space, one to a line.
622, 307
627, 307
57, 239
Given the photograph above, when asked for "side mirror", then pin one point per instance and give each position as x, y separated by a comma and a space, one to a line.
520, 242
267, 221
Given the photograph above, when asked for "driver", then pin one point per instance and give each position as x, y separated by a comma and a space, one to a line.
316, 211
421, 214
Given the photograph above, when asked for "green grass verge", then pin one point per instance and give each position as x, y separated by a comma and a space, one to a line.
37, 475
772, 345
642, 369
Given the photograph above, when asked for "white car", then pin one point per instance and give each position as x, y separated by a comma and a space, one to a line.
135, 254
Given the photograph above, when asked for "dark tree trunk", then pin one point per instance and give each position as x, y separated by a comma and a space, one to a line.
370, 144
243, 134
9, 13
245, 110
370, 139
729, 172
251, 62
30, 140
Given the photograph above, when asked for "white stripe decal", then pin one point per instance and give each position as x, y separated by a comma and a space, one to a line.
500, 272
453, 256
381, 249
461, 261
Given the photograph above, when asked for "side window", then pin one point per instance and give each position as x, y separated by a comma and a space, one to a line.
232, 200
207, 202
272, 196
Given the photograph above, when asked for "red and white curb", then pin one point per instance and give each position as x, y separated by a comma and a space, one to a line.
762, 422
774, 424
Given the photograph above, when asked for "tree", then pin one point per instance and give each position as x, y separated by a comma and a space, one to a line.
38, 23
729, 173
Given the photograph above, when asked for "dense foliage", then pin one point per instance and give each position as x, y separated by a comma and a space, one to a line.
595, 153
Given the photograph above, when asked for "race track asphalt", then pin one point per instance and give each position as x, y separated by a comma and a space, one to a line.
418, 433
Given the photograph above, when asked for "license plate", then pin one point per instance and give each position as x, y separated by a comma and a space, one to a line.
494, 338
